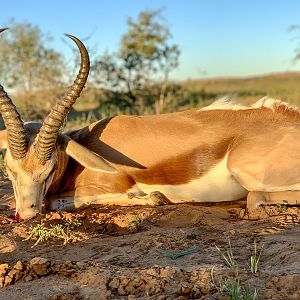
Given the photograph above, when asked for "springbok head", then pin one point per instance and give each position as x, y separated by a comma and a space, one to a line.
31, 148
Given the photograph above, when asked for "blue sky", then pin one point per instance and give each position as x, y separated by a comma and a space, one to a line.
216, 37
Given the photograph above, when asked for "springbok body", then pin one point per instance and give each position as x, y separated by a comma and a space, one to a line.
220, 153
210, 155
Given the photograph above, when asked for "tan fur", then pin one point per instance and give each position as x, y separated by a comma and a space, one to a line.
186, 144
174, 149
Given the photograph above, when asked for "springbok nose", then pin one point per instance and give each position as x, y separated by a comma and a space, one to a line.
26, 214
18, 217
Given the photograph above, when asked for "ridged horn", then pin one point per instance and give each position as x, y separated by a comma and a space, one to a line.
51, 125
14, 125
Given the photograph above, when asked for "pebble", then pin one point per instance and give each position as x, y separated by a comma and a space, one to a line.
18, 265
40, 265
3, 267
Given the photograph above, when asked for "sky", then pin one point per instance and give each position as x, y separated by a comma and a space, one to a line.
217, 38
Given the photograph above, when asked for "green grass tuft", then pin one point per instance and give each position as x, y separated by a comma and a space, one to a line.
254, 258
41, 233
227, 256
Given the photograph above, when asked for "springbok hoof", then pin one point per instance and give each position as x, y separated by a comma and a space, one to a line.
159, 198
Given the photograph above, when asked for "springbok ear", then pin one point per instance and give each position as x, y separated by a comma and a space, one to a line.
84, 156
3, 139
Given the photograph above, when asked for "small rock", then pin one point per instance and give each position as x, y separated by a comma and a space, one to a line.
185, 290
15, 274
4, 267
114, 284
40, 265
56, 268
66, 273
196, 293
18, 265
33, 274
205, 289
55, 216
152, 272
18, 275
242, 214
12, 273
80, 264
1, 282
125, 281
7, 281
168, 272
68, 264
28, 278
39, 260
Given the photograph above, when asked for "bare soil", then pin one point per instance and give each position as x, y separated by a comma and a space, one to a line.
115, 252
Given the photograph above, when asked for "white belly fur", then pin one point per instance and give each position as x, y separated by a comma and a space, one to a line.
217, 185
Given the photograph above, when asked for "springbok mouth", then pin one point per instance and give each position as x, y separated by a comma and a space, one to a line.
16, 217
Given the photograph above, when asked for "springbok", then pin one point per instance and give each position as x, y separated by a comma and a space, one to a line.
223, 152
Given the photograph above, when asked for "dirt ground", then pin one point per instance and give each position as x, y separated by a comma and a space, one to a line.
116, 252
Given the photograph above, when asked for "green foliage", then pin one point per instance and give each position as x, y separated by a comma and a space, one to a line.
41, 233
227, 256
296, 28
33, 70
232, 287
250, 294
254, 259
26, 63
234, 290
137, 76
73, 223
145, 36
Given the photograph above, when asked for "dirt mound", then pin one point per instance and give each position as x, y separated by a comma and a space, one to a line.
166, 252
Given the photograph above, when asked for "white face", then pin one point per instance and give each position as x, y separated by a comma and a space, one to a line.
30, 186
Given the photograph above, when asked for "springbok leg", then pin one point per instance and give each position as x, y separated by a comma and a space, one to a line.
256, 199
70, 203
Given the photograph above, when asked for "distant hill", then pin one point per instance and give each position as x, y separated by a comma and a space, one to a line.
284, 86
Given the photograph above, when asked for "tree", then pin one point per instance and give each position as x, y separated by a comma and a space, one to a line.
142, 64
296, 28
27, 65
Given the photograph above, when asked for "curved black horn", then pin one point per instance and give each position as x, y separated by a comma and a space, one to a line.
14, 125
49, 131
